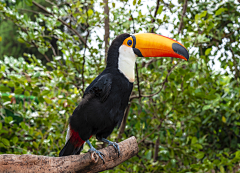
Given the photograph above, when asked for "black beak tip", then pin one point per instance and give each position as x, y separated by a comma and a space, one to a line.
179, 49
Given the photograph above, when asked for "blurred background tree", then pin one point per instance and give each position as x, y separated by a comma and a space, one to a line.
13, 45
185, 115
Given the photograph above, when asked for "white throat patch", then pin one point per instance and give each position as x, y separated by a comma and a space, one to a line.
126, 62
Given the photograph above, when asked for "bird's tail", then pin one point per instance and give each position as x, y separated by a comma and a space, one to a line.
74, 144
72, 147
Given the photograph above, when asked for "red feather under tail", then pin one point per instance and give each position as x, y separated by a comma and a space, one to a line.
74, 145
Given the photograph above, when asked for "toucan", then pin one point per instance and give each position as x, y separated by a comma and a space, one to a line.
105, 99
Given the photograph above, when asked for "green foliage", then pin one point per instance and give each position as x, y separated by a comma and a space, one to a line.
11, 44
195, 117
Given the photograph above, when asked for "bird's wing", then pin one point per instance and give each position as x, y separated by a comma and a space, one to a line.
101, 88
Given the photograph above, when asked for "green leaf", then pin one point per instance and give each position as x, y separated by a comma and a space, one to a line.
194, 140
216, 161
197, 16
15, 139
26, 93
3, 67
10, 83
220, 10
4, 89
22, 124
41, 99
224, 119
222, 169
199, 155
21, 40
35, 144
42, 50
28, 2
171, 153
237, 155
48, 100
126, 24
149, 155
160, 9
18, 91
208, 51
197, 146
206, 107
113, 4
0, 125
203, 14
0, 38
134, 2
210, 26
90, 12
45, 92
2, 145
8, 119
5, 142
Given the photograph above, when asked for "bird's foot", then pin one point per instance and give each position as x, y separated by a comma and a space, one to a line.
92, 149
114, 144
100, 154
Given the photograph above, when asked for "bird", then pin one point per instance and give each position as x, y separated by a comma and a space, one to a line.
106, 98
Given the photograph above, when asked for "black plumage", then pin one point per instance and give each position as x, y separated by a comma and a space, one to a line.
103, 105
104, 101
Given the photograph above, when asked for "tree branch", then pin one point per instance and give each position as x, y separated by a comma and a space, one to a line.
156, 149
88, 162
134, 31
138, 84
165, 80
33, 11
183, 15
51, 3
124, 121
237, 73
84, 60
53, 50
106, 27
155, 14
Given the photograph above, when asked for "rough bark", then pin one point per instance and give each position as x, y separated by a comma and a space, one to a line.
89, 162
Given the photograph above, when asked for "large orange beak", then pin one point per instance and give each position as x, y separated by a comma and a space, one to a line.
154, 45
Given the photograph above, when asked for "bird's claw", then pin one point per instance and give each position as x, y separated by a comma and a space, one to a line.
100, 154
115, 145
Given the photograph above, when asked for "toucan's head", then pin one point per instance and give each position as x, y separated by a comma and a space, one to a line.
125, 48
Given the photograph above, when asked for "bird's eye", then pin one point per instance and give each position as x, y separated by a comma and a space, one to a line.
129, 42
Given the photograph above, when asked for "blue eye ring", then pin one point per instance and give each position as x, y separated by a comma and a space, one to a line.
129, 42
